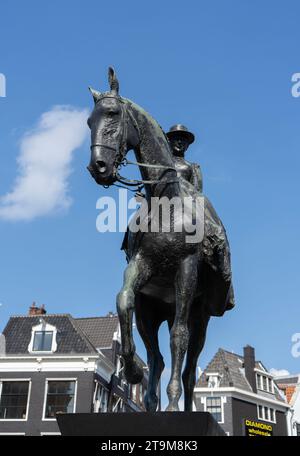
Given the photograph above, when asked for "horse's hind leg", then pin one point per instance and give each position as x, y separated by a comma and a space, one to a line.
135, 276
199, 319
148, 320
185, 287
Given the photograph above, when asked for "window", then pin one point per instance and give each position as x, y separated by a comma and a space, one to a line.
42, 341
101, 399
266, 413
298, 429
13, 400
214, 380
264, 383
270, 385
43, 338
213, 406
60, 398
133, 393
141, 395
259, 381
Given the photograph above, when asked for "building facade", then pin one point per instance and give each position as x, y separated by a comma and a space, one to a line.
290, 386
59, 364
242, 395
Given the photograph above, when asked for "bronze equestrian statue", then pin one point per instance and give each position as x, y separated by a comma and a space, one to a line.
167, 278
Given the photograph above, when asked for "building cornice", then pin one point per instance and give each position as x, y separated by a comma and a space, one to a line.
55, 363
50, 356
262, 372
244, 395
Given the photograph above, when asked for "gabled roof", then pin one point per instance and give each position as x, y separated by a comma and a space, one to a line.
70, 337
288, 379
230, 368
99, 330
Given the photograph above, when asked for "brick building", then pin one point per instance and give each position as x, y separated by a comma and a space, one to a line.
290, 386
59, 364
242, 396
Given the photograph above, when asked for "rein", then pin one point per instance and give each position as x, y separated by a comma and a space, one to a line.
141, 182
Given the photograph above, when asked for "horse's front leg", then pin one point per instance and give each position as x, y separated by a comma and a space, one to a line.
185, 287
135, 276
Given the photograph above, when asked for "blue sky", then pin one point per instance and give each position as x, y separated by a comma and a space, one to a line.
223, 69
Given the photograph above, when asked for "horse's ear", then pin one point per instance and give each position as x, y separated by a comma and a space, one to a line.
113, 81
95, 93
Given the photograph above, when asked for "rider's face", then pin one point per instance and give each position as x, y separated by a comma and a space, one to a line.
179, 145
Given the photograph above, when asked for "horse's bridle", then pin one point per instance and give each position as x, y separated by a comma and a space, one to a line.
121, 151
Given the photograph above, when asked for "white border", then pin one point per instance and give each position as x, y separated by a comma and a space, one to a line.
263, 418
6, 420
239, 393
223, 401
50, 433
260, 385
12, 433
43, 326
46, 393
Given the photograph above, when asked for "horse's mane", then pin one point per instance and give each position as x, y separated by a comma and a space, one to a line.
160, 132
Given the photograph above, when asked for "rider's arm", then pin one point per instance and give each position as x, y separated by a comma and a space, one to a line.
197, 177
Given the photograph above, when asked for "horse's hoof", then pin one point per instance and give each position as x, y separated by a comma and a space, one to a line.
172, 408
133, 373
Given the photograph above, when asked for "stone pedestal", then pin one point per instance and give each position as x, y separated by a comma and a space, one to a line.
171, 424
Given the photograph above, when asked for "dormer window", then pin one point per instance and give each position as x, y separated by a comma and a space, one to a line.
264, 382
42, 341
43, 338
213, 379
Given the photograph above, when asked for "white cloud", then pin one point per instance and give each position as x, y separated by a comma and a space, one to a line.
44, 165
279, 372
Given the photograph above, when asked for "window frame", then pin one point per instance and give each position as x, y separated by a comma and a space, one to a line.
269, 413
104, 392
61, 379
41, 332
221, 406
2, 380
259, 381
43, 326
265, 379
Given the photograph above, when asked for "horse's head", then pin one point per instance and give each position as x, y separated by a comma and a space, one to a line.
113, 132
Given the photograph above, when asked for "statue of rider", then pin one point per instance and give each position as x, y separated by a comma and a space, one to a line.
180, 138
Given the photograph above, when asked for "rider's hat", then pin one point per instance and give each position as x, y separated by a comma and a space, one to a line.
182, 130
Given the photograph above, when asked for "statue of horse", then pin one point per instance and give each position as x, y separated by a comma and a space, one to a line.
167, 278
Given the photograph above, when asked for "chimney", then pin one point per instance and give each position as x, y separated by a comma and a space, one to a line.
249, 364
33, 310
111, 314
